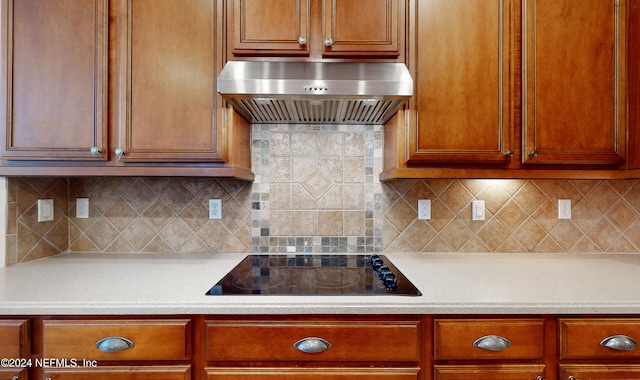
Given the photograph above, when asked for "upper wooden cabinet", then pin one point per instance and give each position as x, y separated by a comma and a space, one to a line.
463, 83
574, 74
316, 29
54, 72
514, 89
123, 87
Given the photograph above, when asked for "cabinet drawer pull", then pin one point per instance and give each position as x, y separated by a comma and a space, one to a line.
620, 343
312, 345
492, 343
114, 344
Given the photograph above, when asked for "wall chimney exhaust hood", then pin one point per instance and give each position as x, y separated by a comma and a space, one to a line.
315, 92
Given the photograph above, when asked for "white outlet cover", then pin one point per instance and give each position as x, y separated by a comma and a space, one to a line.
424, 209
215, 208
82, 208
564, 208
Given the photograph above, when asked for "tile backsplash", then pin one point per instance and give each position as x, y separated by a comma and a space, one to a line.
317, 190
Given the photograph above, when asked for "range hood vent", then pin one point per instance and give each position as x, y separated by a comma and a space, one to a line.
315, 93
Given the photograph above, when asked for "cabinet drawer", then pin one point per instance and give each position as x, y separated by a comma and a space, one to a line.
121, 373
458, 339
599, 371
13, 374
488, 372
150, 339
391, 341
312, 373
586, 338
14, 339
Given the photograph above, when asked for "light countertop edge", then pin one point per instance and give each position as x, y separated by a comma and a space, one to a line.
451, 283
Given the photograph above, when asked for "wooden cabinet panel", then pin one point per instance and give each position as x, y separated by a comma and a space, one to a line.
489, 372
574, 92
454, 338
354, 28
15, 340
120, 373
55, 80
170, 109
13, 374
312, 373
392, 341
152, 339
463, 82
581, 338
303, 28
599, 371
268, 27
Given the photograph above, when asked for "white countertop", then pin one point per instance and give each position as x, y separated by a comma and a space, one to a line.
451, 283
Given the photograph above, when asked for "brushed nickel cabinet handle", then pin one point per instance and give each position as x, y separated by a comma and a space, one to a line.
533, 153
114, 344
119, 152
492, 343
508, 153
619, 343
312, 345
328, 42
95, 150
302, 40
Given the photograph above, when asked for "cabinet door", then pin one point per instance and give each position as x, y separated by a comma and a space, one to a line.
574, 74
15, 339
356, 28
169, 60
463, 86
13, 374
489, 372
599, 371
312, 373
53, 76
120, 373
268, 27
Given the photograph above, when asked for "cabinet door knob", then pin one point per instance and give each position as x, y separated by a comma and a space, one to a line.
95, 150
114, 344
492, 343
533, 153
312, 345
508, 153
619, 343
119, 152
302, 40
328, 42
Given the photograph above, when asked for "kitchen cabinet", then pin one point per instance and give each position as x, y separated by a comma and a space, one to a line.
497, 96
302, 348
574, 93
103, 343
609, 344
510, 348
128, 89
15, 345
316, 29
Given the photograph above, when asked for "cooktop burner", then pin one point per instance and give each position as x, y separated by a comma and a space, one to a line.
314, 274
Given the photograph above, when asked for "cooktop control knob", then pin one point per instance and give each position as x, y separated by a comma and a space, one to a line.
376, 262
390, 282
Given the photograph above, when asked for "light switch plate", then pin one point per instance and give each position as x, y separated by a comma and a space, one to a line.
45, 210
82, 208
477, 210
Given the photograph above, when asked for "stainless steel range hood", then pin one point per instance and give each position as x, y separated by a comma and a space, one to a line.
313, 92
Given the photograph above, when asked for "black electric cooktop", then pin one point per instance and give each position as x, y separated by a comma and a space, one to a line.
314, 274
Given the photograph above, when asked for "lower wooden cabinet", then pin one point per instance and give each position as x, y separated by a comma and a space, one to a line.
312, 373
489, 372
13, 374
120, 373
599, 371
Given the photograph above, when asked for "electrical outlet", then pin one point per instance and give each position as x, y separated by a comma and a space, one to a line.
215, 208
82, 208
477, 210
424, 209
45, 210
564, 208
